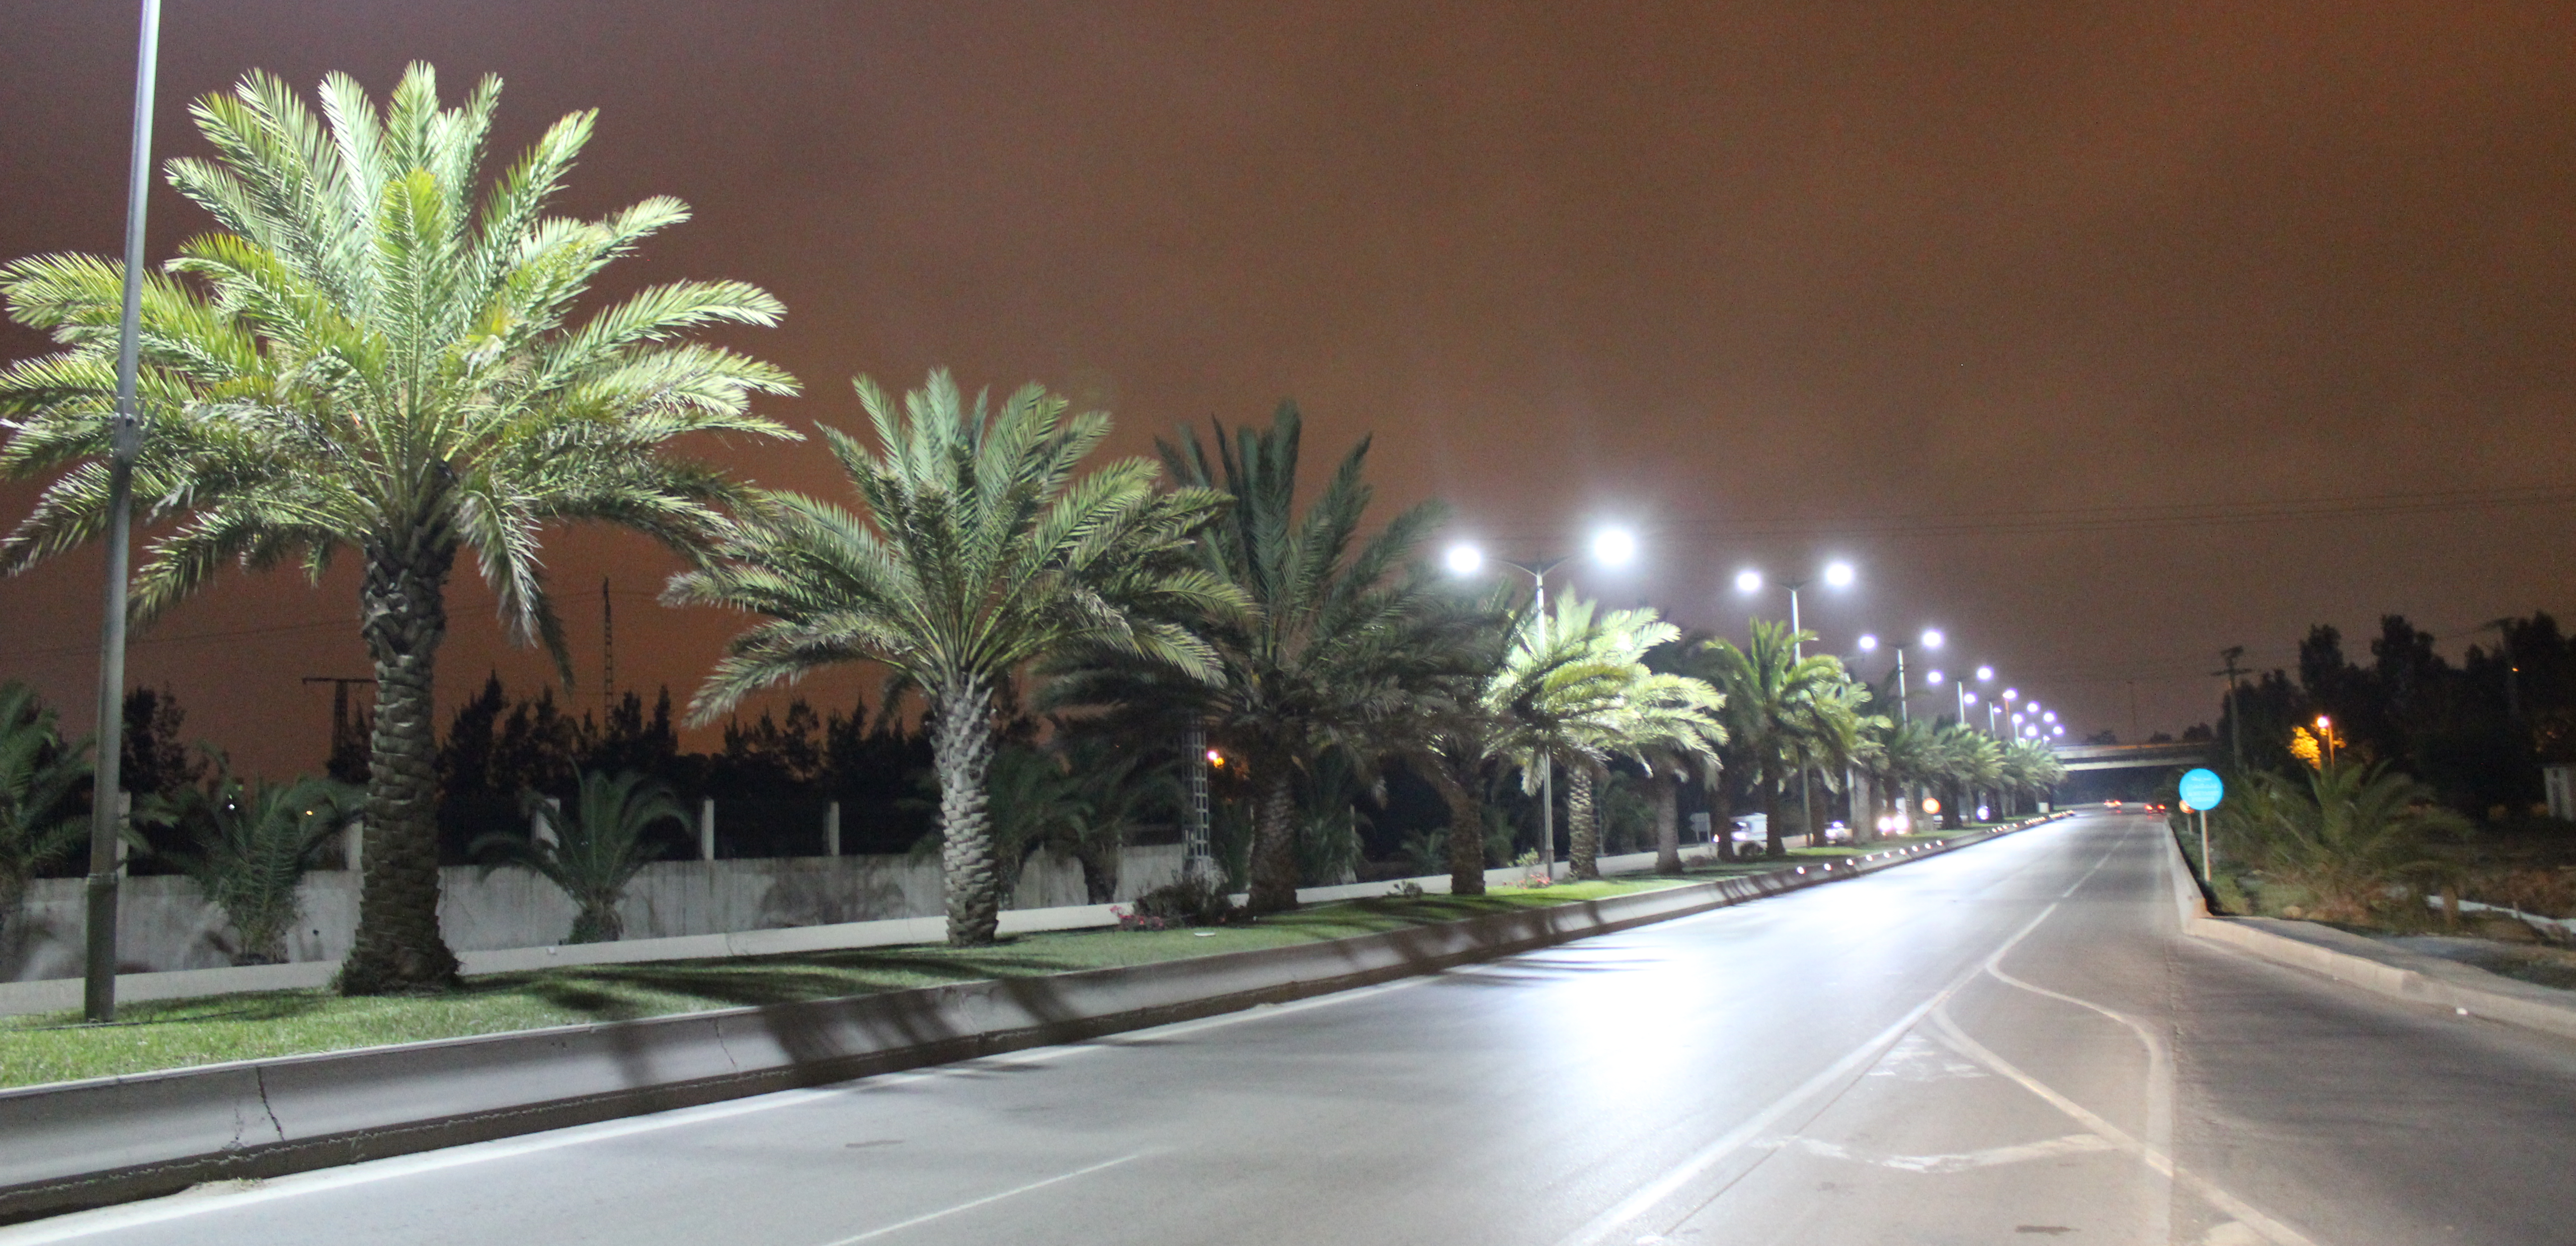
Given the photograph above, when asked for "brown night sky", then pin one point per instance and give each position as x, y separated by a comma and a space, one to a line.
1932, 287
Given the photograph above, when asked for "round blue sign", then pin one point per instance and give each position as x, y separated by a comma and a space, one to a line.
2202, 789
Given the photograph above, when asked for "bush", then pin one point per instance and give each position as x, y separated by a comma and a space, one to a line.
1195, 901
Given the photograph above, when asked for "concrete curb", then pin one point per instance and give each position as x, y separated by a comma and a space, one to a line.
2374, 966
71, 1145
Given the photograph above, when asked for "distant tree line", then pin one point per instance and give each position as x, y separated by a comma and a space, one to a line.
2475, 733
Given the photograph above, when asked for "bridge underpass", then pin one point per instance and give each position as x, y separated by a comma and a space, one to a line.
2124, 771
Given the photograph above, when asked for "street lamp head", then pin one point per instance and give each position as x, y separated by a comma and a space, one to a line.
2050, 716
1934, 678
2324, 723
1868, 643
2057, 730
1748, 581
1967, 698
1985, 674
2012, 694
1931, 638
1840, 574
1465, 559
1613, 547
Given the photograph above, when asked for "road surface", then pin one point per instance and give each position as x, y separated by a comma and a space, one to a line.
2008, 1043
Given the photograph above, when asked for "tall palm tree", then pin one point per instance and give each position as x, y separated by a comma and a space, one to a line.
979, 553
1783, 714
39, 820
1969, 760
1653, 717
1334, 647
2030, 769
595, 850
362, 356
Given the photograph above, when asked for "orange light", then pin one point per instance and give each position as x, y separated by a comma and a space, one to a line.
1216, 759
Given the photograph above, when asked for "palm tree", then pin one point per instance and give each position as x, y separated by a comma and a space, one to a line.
39, 820
363, 357
251, 847
1900, 756
979, 553
1782, 713
2030, 769
1336, 645
1653, 716
593, 853
1969, 759
2343, 833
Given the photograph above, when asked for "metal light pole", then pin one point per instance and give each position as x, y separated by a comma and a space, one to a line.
98, 986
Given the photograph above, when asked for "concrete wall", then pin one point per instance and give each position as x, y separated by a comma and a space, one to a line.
163, 923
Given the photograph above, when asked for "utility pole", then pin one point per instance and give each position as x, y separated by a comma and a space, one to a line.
2235, 717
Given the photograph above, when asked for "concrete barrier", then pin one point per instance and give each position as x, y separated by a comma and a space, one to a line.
79, 1144
2371, 965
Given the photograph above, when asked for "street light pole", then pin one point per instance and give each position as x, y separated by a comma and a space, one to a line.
98, 978
1537, 570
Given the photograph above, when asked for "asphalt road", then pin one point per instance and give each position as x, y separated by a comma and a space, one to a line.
2008, 1043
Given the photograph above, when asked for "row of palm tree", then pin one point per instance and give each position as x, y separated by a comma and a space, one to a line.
370, 355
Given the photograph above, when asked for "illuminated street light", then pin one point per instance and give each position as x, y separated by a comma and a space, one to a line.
1932, 679
1868, 643
1985, 674
1839, 574
1613, 547
1748, 581
1931, 638
1465, 559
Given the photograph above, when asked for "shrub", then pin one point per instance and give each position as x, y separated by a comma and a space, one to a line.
1192, 901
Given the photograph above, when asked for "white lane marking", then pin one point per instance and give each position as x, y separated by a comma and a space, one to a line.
2272, 1230
2071, 1144
1919, 1059
1600, 1228
987, 1200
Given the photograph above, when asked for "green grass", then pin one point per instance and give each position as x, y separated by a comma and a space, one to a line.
179, 1033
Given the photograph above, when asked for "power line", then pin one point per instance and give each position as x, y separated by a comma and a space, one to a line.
2132, 516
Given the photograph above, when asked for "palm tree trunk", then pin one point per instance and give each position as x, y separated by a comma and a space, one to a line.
403, 604
1466, 840
1950, 808
1099, 872
1773, 845
1274, 846
1582, 825
961, 750
1668, 823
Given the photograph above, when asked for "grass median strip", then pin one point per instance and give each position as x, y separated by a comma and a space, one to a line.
179, 1033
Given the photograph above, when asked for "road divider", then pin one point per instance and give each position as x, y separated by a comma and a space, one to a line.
81, 1144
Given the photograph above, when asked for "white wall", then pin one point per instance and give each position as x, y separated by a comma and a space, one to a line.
163, 924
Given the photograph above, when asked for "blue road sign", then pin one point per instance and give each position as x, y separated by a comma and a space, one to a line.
2202, 789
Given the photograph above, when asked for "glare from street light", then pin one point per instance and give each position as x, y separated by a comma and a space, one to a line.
1465, 559
1933, 678
1967, 698
1614, 547
1868, 644
2012, 694
1748, 581
2057, 730
1985, 673
2051, 716
1839, 574
1931, 638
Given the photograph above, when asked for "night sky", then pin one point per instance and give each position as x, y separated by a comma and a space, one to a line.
2036, 312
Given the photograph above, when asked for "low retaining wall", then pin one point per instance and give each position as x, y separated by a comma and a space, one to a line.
2371, 965
88, 1143
164, 923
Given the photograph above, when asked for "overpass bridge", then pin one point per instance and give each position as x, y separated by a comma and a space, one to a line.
2077, 757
